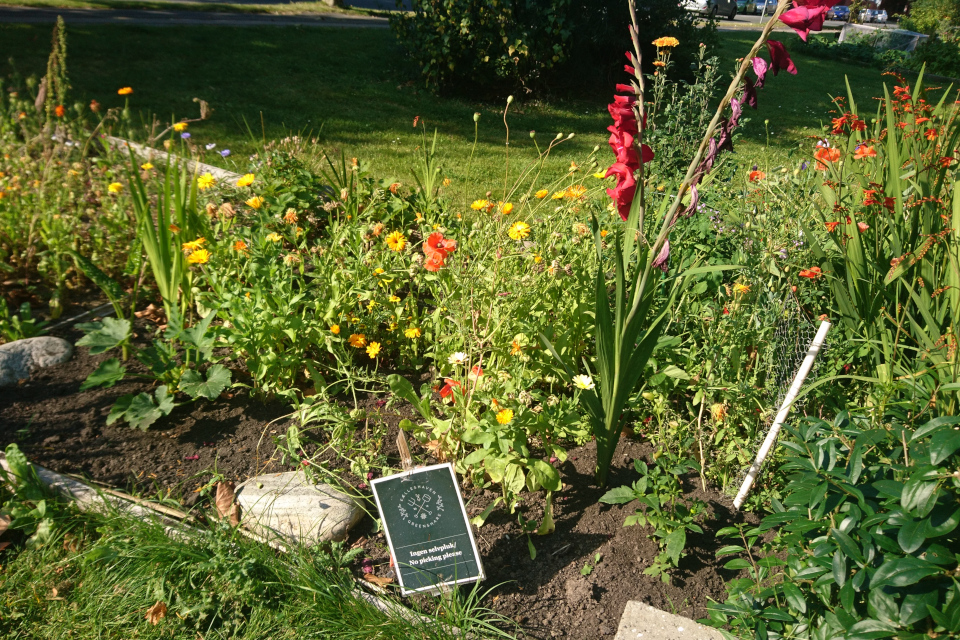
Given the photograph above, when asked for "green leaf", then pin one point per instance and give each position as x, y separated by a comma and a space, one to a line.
794, 597
870, 630
193, 384
934, 425
943, 444
675, 542
107, 284
914, 606
725, 551
847, 545
105, 335
902, 572
912, 535
737, 564
919, 495
119, 408
942, 521
620, 495
547, 475
586, 570
109, 373
675, 372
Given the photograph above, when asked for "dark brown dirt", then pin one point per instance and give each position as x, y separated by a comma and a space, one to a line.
64, 429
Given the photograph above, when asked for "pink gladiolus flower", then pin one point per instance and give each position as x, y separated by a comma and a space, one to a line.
749, 92
662, 257
779, 58
804, 19
760, 68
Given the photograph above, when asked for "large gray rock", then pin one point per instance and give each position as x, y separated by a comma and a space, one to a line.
643, 622
20, 358
286, 505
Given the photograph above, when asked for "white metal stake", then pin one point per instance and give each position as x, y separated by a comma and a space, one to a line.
785, 407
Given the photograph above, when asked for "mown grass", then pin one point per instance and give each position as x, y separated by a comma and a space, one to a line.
288, 8
355, 91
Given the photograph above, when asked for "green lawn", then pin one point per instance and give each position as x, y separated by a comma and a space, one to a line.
354, 90
224, 7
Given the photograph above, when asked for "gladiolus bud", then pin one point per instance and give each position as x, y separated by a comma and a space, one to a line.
533, 134
476, 116
509, 99
559, 135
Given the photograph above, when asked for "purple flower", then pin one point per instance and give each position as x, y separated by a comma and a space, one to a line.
225, 153
211, 146
707, 163
663, 257
804, 19
185, 135
749, 92
760, 68
803, 165
366, 565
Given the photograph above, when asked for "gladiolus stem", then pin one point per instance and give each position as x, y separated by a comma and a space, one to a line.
640, 108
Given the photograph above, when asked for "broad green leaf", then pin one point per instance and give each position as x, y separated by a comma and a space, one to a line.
674, 543
912, 535
119, 408
546, 474
942, 520
870, 630
620, 495
725, 551
675, 372
902, 572
934, 425
737, 564
919, 495
105, 335
794, 597
109, 373
193, 384
913, 609
943, 444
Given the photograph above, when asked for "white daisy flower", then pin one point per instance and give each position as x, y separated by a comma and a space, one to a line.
457, 358
583, 382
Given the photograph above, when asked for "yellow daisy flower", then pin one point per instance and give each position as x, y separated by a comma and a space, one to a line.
255, 202
115, 187
373, 349
479, 204
413, 333
505, 416
519, 230
205, 181
180, 126
396, 241
246, 180
200, 256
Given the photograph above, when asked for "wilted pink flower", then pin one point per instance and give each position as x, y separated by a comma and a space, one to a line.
662, 258
760, 67
749, 92
805, 18
779, 58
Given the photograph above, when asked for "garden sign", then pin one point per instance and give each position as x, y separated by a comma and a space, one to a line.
427, 529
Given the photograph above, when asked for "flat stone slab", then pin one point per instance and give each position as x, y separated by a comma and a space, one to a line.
20, 358
643, 622
288, 506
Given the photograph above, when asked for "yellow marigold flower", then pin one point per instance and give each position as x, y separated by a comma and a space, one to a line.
255, 202
239, 245
659, 63
358, 340
335, 329
193, 245
396, 240
505, 416
413, 333
665, 42
537, 259
378, 271
115, 187
541, 194
180, 126
575, 192
373, 349
274, 237
600, 175
392, 326
290, 217
479, 204
394, 299
559, 195
740, 288
519, 230
124, 91
246, 180
146, 166
507, 208
200, 256
371, 305
419, 217
205, 181
603, 233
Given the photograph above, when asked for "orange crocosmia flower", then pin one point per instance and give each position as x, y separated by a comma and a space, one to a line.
838, 124
60, 110
930, 134
869, 197
831, 226
889, 203
946, 161
858, 125
827, 154
813, 273
757, 175
864, 151
920, 120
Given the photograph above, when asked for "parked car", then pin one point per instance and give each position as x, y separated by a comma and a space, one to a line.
771, 7
839, 12
873, 15
726, 8
747, 6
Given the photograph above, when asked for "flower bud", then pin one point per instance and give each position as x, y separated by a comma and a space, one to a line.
559, 135
509, 99
476, 117
533, 134
571, 135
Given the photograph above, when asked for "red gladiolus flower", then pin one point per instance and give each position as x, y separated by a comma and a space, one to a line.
622, 140
804, 19
447, 390
779, 58
622, 194
813, 273
831, 226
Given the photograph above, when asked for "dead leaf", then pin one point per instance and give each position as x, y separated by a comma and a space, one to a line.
4, 523
435, 447
71, 543
378, 580
156, 613
224, 503
152, 313
4, 545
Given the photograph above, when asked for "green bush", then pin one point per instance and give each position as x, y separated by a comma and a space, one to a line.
931, 16
940, 54
534, 44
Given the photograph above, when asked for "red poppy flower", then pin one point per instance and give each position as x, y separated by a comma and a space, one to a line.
831, 226
434, 261
864, 151
813, 273
448, 387
827, 154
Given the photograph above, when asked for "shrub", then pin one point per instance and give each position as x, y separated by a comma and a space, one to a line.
528, 43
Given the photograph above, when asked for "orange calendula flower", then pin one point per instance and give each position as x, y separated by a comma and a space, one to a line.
255, 202
335, 329
246, 180
290, 217
864, 151
358, 340
505, 416
756, 175
396, 241
831, 226
239, 245
519, 230
659, 63
575, 192
541, 194
124, 91
506, 208
373, 349
479, 204
60, 110
515, 348
666, 42
813, 273
200, 256
193, 245
559, 195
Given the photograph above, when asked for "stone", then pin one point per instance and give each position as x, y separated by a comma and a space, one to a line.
643, 622
288, 506
20, 358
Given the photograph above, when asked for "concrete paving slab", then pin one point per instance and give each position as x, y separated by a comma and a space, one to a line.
643, 622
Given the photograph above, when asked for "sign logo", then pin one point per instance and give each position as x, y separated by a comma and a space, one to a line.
420, 506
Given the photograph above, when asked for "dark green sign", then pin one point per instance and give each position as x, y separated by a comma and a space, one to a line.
427, 528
